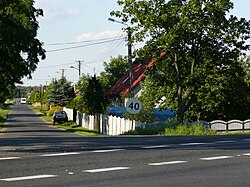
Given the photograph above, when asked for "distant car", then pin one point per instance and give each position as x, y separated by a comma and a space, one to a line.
59, 116
23, 101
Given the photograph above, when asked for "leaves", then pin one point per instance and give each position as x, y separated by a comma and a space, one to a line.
61, 92
202, 46
19, 48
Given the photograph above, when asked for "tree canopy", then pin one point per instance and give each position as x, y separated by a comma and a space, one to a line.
95, 99
113, 71
19, 47
61, 92
197, 47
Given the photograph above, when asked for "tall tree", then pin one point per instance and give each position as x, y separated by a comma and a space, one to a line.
95, 97
19, 47
61, 92
201, 44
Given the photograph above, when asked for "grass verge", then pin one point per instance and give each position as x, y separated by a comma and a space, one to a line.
4, 111
68, 126
72, 127
177, 130
188, 130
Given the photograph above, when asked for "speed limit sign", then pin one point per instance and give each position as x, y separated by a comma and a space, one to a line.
133, 106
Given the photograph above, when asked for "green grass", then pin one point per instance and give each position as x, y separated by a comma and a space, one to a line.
4, 111
188, 130
177, 130
68, 126
72, 127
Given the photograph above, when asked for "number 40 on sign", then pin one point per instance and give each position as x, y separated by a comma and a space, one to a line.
133, 106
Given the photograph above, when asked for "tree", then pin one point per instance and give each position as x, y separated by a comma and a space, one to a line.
61, 92
79, 101
95, 98
113, 71
19, 48
196, 47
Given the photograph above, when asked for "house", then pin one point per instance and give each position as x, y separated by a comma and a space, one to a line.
122, 89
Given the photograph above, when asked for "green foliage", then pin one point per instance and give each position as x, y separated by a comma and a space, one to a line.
83, 83
61, 92
53, 109
173, 130
4, 111
197, 49
188, 130
95, 99
19, 47
113, 71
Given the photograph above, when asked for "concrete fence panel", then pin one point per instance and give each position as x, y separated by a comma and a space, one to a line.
218, 125
247, 124
235, 125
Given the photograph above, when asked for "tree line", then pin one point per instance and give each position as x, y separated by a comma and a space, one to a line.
201, 69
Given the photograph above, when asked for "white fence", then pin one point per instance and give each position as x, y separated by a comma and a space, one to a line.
112, 125
109, 125
219, 125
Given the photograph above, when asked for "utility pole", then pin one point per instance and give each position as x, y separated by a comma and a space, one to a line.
129, 51
79, 67
130, 59
63, 71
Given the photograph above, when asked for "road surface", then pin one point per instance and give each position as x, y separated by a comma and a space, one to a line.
33, 153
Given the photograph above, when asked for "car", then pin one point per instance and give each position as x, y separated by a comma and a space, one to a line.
59, 116
23, 101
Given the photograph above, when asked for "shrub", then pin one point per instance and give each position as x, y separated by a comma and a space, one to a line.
196, 130
53, 109
43, 110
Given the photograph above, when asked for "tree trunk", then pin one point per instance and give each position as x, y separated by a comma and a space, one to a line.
97, 122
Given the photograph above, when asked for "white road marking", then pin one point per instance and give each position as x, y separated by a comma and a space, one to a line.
246, 154
167, 163
155, 146
105, 169
191, 144
107, 150
225, 141
9, 158
216, 158
61, 154
28, 178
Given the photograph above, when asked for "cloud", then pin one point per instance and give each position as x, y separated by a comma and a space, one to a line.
99, 35
54, 12
73, 11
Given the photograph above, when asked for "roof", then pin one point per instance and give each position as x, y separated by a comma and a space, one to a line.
122, 86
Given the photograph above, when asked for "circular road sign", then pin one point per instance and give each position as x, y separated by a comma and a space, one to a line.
133, 106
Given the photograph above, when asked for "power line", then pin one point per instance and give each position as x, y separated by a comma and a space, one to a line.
86, 45
53, 66
111, 47
85, 41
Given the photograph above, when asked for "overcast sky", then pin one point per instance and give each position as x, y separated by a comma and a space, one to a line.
67, 22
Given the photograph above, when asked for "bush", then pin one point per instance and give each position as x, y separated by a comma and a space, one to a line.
194, 129
53, 109
178, 130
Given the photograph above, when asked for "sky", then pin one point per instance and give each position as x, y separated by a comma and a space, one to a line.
79, 30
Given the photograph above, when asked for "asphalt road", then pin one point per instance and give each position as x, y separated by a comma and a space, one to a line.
33, 153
